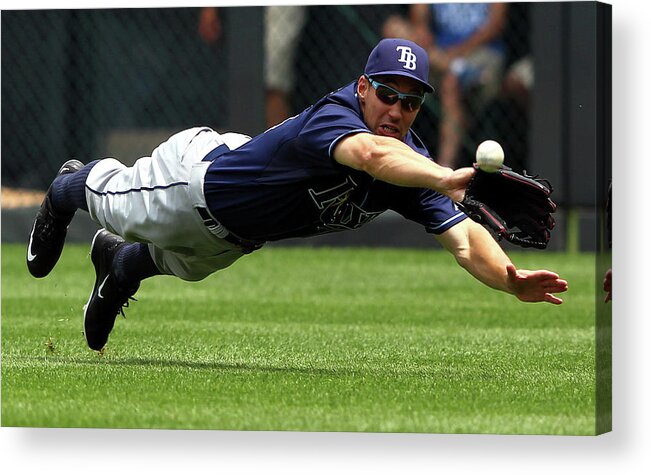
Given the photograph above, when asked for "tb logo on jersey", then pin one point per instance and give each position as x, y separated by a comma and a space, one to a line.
338, 211
407, 57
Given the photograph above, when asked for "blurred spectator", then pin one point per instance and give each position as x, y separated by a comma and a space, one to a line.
608, 277
519, 81
608, 285
506, 118
283, 25
210, 25
466, 52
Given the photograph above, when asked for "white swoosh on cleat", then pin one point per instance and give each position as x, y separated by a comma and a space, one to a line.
30, 256
99, 290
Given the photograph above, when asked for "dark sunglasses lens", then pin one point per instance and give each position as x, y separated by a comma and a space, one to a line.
411, 103
386, 95
389, 97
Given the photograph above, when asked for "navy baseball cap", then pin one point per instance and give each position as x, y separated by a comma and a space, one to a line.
399, 57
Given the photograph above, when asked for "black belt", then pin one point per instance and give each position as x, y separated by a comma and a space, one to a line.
216, 228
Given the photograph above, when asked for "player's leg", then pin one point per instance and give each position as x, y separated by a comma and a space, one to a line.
120, 267
66, 194
152, 205
48, 233
114, 286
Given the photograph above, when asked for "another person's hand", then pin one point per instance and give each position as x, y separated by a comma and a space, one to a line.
608, 285
439, 59
210, 27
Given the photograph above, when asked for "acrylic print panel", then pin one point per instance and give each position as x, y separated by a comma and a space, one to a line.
372, 330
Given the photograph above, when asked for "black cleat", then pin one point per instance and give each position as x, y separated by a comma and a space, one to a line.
49, 230
107, 298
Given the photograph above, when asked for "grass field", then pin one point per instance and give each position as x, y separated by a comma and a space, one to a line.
304, 339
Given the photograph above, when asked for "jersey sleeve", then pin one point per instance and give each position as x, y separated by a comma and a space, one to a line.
326, 128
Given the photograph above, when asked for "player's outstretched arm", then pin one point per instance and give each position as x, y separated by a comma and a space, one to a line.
392, 161
477, 252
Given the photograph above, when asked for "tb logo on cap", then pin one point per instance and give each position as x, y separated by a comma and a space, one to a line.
407, 57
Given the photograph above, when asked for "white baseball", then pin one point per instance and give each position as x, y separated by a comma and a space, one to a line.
490, 156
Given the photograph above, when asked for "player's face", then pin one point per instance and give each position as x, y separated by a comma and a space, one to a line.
389, 104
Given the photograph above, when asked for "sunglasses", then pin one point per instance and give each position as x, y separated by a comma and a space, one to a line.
389, 96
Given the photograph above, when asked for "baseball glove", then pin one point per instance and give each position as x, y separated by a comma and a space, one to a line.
515, 207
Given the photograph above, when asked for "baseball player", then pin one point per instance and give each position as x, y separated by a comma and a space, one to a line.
202, 199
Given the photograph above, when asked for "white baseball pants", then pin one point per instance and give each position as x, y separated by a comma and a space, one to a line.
154, 202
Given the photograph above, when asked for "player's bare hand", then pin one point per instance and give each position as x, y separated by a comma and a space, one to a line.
455, 184
535, 285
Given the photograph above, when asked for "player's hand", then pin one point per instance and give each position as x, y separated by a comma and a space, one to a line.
454, 185
535, 285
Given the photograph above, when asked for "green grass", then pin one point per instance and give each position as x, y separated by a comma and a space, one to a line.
304, 339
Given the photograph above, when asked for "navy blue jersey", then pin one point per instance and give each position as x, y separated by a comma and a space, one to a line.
285, 182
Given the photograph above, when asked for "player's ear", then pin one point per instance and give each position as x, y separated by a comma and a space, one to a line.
362, 88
